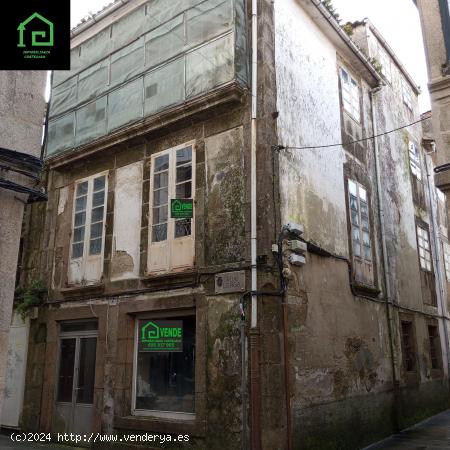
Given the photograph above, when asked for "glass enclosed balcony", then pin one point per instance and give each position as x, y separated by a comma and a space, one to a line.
162, 54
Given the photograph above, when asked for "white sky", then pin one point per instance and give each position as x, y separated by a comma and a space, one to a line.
397, 20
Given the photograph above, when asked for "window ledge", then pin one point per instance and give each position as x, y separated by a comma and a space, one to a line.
193, 427
75, 291
186, 278
364, 289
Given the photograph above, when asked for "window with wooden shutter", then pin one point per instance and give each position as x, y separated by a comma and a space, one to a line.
171, 241
88, 229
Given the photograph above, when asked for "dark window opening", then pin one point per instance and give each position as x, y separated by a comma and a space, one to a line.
165, 380
435, 356
408, 348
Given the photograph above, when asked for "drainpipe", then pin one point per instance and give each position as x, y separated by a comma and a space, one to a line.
255, 377
440, 277
386, 271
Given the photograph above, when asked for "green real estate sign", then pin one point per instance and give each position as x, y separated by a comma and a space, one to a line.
160, 336
181, 208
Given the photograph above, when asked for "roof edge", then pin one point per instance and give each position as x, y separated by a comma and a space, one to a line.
391, 52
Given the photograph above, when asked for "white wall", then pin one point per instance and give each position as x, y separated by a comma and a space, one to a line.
16, 362
312, 186
127, 222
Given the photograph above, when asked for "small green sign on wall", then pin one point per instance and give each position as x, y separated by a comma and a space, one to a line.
181, 208
160, 336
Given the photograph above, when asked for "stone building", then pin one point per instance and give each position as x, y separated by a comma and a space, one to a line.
334, 347
435, 20
22, 114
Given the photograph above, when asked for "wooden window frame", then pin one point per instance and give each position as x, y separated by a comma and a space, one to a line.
350, 94
386, 64
433, 348
446, 258
170, 242
421, 241
86, 256
360, 199
407, 95
409, 349
170, 415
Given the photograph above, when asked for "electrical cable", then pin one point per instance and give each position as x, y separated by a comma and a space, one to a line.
281, 147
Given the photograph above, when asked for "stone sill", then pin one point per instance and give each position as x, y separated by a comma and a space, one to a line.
194, 427
170, 280
364, 289
82, 290
231, 92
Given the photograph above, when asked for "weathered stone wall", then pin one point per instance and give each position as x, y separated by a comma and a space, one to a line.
220, 244
22, 110
342, 386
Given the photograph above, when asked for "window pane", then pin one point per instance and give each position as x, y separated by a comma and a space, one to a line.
355, 217
77, 250
160, 197
356, 242
183, 228
352, 187
364, 210
159, 215
353, 203
367, 253
99, 183
86, 371
96, 230
366, 239
362, 194
159, 232
82, 189
66, 368
95, 247
365, 223
161, 163
78, 234
184, 173
207, 20
184, 190
98, 199
80, 219
184, 155
165, 381
97, 214
160, 180
80, 203
164, 42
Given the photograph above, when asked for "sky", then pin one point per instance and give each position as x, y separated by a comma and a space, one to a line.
399, 23
397, 20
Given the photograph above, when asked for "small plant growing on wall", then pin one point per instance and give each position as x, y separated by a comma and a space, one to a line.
331, 9
28, 296
348, 28
377, 65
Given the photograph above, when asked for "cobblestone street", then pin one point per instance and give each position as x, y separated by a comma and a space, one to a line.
433, 433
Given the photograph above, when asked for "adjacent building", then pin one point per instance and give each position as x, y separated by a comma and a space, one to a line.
351, 338
435, 19
22, 115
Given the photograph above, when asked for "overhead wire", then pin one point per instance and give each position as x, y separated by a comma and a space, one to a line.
289, 147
